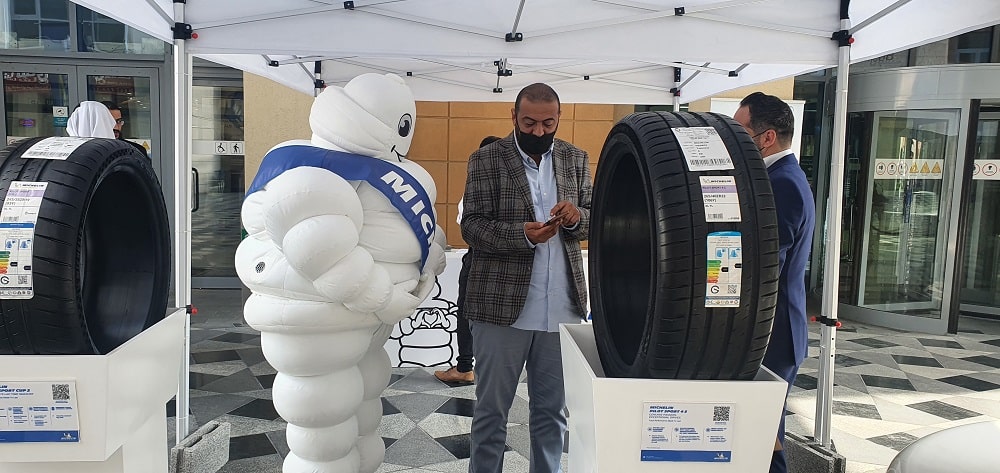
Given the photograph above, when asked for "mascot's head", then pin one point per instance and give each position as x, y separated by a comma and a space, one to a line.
373, 115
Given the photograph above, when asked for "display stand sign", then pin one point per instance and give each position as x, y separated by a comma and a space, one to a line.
39, 412
687, 432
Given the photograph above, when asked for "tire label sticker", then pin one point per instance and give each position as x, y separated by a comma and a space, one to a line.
721, 199
703, 149
39, 412
17, 234
687, 432
59, 147
725, 269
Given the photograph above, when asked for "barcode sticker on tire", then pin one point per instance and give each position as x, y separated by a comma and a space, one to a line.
59, 147
721, 199
721, 414
703, 149
60, 392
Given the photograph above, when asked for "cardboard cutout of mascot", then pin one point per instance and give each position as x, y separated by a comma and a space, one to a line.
343, 244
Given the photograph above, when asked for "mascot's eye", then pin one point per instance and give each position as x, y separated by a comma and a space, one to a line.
260, 267
405, 125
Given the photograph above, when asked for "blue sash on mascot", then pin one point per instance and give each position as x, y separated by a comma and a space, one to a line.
405, 192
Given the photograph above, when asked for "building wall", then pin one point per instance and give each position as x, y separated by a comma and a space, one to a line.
446, 134
272, 114
783, 89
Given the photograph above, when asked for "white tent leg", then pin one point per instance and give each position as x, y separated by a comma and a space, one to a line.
182, 212
831, 269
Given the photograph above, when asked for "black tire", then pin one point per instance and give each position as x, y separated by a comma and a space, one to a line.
648, 264
101, 258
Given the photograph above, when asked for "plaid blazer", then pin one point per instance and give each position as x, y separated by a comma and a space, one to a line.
497, 203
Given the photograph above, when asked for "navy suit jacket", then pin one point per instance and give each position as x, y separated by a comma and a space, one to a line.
796, 211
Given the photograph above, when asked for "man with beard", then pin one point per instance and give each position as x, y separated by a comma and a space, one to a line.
116, 113
527, 208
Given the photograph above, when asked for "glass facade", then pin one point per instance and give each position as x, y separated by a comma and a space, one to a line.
98, 33
54, 54
48, 25
35, 25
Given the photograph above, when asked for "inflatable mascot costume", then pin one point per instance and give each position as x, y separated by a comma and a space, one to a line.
342, 245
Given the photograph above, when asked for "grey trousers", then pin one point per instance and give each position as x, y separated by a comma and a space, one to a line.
501, 353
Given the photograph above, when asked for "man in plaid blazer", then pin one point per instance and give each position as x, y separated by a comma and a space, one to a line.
527, 207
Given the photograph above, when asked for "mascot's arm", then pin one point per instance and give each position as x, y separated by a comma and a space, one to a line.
314, 217
403, 302
480, 229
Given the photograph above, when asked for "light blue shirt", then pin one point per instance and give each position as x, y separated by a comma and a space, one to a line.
549, 302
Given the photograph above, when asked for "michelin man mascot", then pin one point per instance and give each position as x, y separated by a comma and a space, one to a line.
342, 245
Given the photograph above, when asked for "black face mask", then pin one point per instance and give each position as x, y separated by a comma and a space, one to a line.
533, 144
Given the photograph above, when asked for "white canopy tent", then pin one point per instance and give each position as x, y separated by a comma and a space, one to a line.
595, 51
626, 48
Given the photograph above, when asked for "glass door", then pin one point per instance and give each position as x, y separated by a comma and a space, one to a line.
980, 292
910, 164
217, 156
134, 92
37, 100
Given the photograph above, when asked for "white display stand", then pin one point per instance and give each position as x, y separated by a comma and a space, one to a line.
606, 414
121, 401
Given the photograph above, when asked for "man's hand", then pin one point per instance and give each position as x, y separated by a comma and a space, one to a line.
568, 213
538, 232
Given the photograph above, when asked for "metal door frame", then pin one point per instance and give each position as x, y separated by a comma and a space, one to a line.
965, 224
948, 213
66, 69
209, 79
153, 74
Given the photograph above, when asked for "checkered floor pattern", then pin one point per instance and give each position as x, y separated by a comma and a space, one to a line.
891, 389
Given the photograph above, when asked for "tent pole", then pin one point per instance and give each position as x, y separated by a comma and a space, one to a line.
676, 91
835, 214
182, 205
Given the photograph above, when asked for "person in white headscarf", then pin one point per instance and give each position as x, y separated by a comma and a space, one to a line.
91, 119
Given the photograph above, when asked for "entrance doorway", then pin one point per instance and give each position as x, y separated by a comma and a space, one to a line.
217, 157
900, 201
980, 291
38, 99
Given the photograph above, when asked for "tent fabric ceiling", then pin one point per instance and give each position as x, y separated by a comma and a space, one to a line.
438, 79
625, 48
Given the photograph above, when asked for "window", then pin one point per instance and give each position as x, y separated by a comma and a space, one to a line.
99, 33
35, 25
972, 47
46, 25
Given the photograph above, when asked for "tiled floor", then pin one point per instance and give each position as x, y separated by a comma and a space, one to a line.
891, 389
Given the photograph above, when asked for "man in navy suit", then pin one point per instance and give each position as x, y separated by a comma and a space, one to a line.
770, 122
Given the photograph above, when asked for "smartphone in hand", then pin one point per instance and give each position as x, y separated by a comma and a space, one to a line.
552, 220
